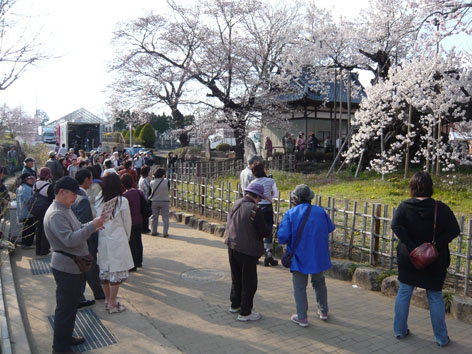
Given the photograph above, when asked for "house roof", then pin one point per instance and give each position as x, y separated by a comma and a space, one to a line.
80, 116
305, 88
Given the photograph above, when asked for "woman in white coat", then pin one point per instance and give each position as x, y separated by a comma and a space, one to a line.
114, 254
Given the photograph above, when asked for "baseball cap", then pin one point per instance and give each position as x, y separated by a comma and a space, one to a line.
29, 159
68, 183
25, 176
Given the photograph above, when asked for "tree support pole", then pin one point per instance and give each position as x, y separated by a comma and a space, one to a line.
339, 153
407, 153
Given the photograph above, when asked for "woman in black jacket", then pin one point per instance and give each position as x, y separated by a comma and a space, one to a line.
413, 223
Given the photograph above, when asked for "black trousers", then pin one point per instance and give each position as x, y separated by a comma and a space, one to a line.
136, 244
243, 280
27, 235
92, 276
42, 243
68, 291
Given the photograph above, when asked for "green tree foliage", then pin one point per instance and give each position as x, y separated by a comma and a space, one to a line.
126, 136
161, 122
148, 136
137, 131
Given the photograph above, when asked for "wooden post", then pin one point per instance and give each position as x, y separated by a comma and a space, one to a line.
467, 263
459, 251
228, 202
392, 245
212, 197
376, 231
346, 207
202, 195
364, 229
353, 230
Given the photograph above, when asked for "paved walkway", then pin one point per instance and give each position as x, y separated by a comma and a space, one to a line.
168, 314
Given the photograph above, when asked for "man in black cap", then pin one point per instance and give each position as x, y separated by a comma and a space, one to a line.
29, 162
68, 238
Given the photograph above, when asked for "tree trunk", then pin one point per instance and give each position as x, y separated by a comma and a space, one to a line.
184, 139
178, 122
239, 131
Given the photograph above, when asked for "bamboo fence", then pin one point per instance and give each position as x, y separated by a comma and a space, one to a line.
362, 232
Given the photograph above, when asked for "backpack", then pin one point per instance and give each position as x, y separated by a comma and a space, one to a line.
38, 204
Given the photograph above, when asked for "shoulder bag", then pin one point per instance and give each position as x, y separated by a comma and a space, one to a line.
287, 256
83, 262
154, 191
426, 253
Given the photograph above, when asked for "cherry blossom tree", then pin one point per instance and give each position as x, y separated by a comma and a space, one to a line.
231, 49
436, 87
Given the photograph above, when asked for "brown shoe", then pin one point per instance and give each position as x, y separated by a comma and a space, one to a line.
77, 340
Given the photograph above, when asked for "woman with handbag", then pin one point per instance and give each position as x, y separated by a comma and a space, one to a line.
114, 254
305, 229
418, 222
160, 202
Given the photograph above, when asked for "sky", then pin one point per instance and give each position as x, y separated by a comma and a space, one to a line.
78, 35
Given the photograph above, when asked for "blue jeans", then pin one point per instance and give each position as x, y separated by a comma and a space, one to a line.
318, 283
12, 168
437, 312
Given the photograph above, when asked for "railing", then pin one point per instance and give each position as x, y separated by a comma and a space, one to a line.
214, 169
362, 232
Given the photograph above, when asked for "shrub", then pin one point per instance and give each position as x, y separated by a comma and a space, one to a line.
148, 136
126, 136
137, 131
223, 147
352, 269
447, 297
386, 274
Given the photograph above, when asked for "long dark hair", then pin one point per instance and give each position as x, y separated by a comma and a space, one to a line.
111, 188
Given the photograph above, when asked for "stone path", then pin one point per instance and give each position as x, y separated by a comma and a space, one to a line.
168, 314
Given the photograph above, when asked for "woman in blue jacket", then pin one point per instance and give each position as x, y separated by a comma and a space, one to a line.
311, 255
23, 194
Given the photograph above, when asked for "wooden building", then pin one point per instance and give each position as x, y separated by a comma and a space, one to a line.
318, 111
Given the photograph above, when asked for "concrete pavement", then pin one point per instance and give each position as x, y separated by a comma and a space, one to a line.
167, 313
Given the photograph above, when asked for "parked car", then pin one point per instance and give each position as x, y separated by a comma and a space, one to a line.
134, 150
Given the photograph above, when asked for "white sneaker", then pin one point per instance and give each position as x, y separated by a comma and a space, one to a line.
323, 316
254, 316
234, 310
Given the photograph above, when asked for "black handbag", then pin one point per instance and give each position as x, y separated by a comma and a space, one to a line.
145, 205
287, 256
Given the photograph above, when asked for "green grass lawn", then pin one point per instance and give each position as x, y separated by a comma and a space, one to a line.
453, 189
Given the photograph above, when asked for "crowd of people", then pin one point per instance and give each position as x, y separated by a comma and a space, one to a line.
61, 207
93, 217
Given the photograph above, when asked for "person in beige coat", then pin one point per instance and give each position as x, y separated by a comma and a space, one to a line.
114, 254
